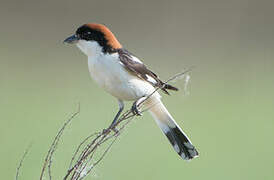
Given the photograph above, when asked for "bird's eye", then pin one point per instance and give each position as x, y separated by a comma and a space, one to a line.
87, 34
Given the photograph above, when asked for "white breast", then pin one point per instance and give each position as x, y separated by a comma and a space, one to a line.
111, 75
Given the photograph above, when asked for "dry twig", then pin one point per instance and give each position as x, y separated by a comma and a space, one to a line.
21, 162
53, 147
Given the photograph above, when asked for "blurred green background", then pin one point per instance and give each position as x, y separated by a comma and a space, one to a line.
228, 113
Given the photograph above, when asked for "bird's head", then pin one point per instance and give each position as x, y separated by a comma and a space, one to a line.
92, 38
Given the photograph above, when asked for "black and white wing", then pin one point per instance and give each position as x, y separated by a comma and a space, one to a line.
136, 67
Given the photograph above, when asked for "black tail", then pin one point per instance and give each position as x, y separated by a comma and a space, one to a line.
180, 142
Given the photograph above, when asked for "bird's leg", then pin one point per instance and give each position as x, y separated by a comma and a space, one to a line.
134, 108
121, 107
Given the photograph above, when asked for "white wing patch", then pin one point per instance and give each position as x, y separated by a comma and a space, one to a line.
136, 59
151, 79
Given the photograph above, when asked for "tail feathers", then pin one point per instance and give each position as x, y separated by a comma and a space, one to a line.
180, 142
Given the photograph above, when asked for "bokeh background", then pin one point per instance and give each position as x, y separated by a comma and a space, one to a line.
228, 112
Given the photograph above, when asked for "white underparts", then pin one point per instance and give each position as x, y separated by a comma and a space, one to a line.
107, 70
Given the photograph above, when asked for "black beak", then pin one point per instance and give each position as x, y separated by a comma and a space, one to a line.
72, 39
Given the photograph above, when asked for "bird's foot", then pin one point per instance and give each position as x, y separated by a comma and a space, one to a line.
135, 110
105, 131
111, 128
116, 131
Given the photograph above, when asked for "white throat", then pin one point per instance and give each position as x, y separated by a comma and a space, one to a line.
90, 48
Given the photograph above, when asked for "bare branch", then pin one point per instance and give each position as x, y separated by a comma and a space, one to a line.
53, 147
78, 148
21, 162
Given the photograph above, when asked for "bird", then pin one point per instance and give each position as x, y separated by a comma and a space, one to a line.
125, 77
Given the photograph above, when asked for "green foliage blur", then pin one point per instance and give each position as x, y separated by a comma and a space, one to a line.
227, 110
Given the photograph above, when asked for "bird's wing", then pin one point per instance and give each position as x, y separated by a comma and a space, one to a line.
136, 67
